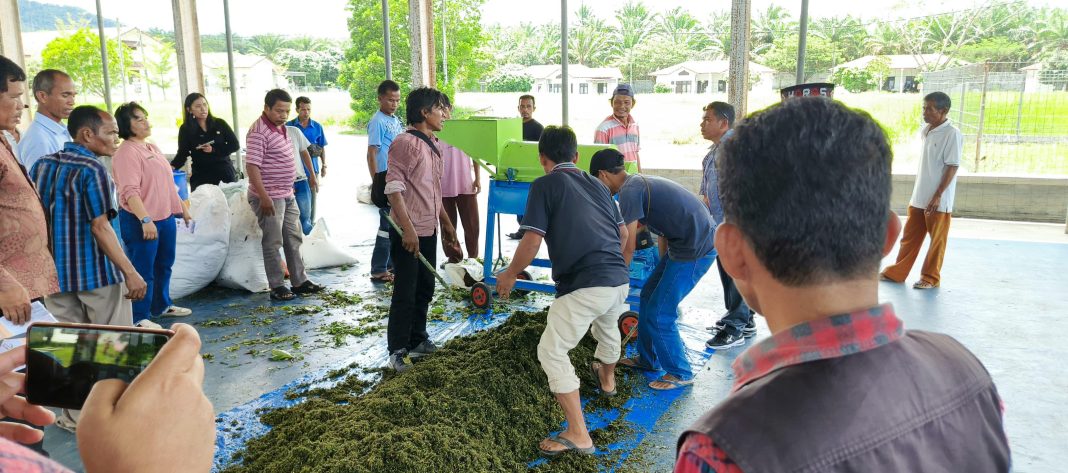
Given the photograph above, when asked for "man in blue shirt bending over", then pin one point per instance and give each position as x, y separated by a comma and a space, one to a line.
686, 236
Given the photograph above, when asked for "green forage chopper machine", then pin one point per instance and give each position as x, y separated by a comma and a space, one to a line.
496, 145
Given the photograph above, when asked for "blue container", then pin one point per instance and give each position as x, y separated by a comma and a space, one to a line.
181, 180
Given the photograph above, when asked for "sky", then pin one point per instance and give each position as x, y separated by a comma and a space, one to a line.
328, 19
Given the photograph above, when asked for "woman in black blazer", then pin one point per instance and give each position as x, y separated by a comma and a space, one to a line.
209, 140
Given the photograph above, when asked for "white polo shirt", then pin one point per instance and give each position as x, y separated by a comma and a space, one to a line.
942, 147
299, 143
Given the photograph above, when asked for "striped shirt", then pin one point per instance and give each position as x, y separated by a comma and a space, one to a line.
269, 148
625, 137
75, 189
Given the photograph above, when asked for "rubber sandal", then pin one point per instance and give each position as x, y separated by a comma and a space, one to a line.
569, 446
635, 363
308, 288
921, 284
595, 369
675, 384
282, 293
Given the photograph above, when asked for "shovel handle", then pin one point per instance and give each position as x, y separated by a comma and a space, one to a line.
422, 259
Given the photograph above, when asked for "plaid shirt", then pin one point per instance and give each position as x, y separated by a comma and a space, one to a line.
75, 189
625, 137
831, 337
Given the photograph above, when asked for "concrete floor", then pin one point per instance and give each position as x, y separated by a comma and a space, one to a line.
1004, 295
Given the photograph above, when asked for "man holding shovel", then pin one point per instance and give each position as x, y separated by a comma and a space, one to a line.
413, 187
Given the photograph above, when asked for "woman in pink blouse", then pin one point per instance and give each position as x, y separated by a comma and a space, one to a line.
459, 195
149, 202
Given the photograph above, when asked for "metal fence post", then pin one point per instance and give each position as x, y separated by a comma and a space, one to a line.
982, 113
1019, 106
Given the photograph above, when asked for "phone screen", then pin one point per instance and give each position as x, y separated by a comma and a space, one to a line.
64, 362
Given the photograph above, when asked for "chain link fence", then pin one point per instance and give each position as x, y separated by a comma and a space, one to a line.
1014, 117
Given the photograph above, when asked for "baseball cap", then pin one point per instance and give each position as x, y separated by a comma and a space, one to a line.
623, 89
607, 159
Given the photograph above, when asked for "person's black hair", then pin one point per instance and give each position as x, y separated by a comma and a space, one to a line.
558, 144
940, 100
45, 80
124, 116
10, 72
723, 110
301, 100
527, 97
422, 100
445, 102
85, 116
387, 86
187, 115
608, 159
808, 184
274, 96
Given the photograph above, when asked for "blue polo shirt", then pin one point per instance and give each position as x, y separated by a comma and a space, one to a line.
75, 188
671, 211
43, 137
580, 222
381, 131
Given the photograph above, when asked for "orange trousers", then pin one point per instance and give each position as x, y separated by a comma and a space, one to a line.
917, 226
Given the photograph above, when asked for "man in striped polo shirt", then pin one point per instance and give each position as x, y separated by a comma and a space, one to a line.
620, 128
271, 171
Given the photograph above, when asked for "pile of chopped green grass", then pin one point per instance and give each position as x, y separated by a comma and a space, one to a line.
480, 404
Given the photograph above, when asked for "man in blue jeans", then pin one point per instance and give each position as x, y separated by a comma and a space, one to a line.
381, 130
686, 234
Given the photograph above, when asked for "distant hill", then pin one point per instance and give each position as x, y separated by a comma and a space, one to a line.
37, 16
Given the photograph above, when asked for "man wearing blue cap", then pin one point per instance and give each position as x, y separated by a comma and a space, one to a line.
620, 128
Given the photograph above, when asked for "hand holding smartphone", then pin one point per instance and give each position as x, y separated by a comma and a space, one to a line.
64, 361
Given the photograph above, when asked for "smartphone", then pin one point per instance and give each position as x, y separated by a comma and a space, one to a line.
64, 361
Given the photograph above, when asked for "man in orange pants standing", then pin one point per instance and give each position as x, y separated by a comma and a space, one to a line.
931, 207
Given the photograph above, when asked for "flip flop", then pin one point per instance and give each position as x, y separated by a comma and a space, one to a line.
595, 368
675, 384
569, 447
635, 363
921, 284
282, 293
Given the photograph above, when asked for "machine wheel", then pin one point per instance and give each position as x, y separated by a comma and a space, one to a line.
524, 276
481, 295
628, 321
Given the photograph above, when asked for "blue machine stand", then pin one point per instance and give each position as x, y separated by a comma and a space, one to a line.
510, 198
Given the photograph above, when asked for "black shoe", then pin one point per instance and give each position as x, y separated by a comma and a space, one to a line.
750, 329
399, 362
308, 288
422, 349
725, 339
517, 235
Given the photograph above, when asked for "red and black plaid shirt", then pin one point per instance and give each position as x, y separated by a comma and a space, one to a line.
831, 337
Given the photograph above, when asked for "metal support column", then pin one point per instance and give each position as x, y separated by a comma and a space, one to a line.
104, 56
386, 41
233, 82
565, 87
444, 42
801, 40
738, 77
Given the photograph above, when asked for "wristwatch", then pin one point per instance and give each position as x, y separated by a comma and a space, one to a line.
147, 219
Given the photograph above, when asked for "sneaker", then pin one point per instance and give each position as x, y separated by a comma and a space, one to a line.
175, 311
148, 324
423, 349
399, 361
750, 329
66, 421
725, 339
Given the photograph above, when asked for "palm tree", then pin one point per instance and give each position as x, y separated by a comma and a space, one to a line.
1051, 32
588, 43
885, 39
680, 28
268, 45
718, 33
308, 43
840, 33
636, 24
770, 25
